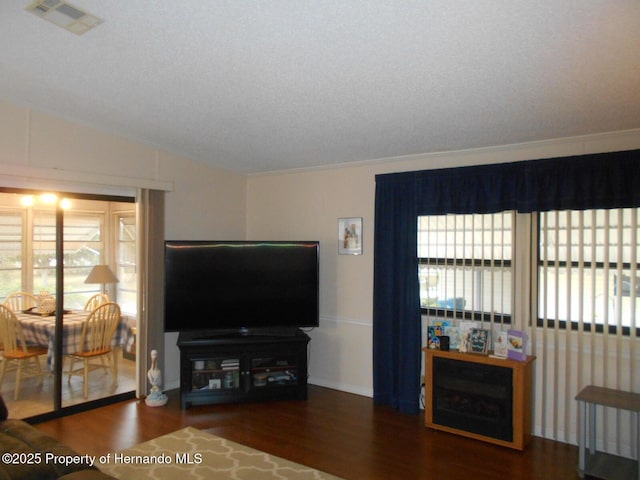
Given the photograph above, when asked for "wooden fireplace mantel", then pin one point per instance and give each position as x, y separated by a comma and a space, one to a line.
522, 399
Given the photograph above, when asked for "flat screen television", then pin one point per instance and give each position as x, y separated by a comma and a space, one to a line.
240, 286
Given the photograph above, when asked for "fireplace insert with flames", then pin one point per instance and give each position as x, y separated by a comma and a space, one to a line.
473, 397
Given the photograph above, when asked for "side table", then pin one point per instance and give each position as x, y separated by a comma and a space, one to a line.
598, 463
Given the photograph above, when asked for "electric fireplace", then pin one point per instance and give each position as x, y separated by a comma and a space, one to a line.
479, 396
473, 397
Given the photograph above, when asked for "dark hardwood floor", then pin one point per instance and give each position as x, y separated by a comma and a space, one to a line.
337, 432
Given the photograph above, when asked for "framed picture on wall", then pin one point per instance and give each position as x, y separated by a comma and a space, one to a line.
350, 236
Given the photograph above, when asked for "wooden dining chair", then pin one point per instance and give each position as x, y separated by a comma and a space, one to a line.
17, 302
16, 351
20, 301
95, 301
97, 334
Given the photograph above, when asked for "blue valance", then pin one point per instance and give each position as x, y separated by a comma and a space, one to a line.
483, 188
605, 180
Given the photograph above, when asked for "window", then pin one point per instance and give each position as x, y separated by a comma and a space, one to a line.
83, 248
465, 265
11, 252
28, 248
588, 268
126, 262
43, 277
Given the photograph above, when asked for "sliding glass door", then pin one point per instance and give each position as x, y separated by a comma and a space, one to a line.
49, 249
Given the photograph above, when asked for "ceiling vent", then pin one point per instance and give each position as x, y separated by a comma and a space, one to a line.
64, 15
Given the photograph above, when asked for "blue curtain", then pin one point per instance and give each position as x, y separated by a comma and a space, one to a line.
607, 180
396, 333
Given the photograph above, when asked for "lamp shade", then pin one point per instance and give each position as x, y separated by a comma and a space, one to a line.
101, 274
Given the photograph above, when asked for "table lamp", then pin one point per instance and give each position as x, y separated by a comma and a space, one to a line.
101, 274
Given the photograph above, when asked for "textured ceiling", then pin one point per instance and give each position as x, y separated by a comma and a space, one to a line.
260, 86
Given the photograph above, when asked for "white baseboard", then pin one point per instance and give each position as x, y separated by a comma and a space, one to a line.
356, 389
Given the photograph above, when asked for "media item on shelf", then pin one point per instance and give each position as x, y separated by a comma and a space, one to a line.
198, 365
260, 379
281, 377
435, 331
479, 340
517, 344
465, 327
453, 332
230, 380
501, 344
230, 364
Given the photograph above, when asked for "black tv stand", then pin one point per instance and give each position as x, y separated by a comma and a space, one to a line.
274, 332
228, 367
247, 332
213, 335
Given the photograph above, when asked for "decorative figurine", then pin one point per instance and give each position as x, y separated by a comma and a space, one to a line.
464, 343
155, 398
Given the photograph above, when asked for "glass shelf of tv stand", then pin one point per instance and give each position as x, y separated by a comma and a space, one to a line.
274, 371
215, 374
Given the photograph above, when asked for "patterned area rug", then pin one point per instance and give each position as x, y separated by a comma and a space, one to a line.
192, 454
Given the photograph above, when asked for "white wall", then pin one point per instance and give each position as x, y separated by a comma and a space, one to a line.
307, 205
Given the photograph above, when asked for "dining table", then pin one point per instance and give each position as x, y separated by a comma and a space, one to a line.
40, 329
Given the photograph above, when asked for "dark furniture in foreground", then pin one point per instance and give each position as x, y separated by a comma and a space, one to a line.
27, 453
